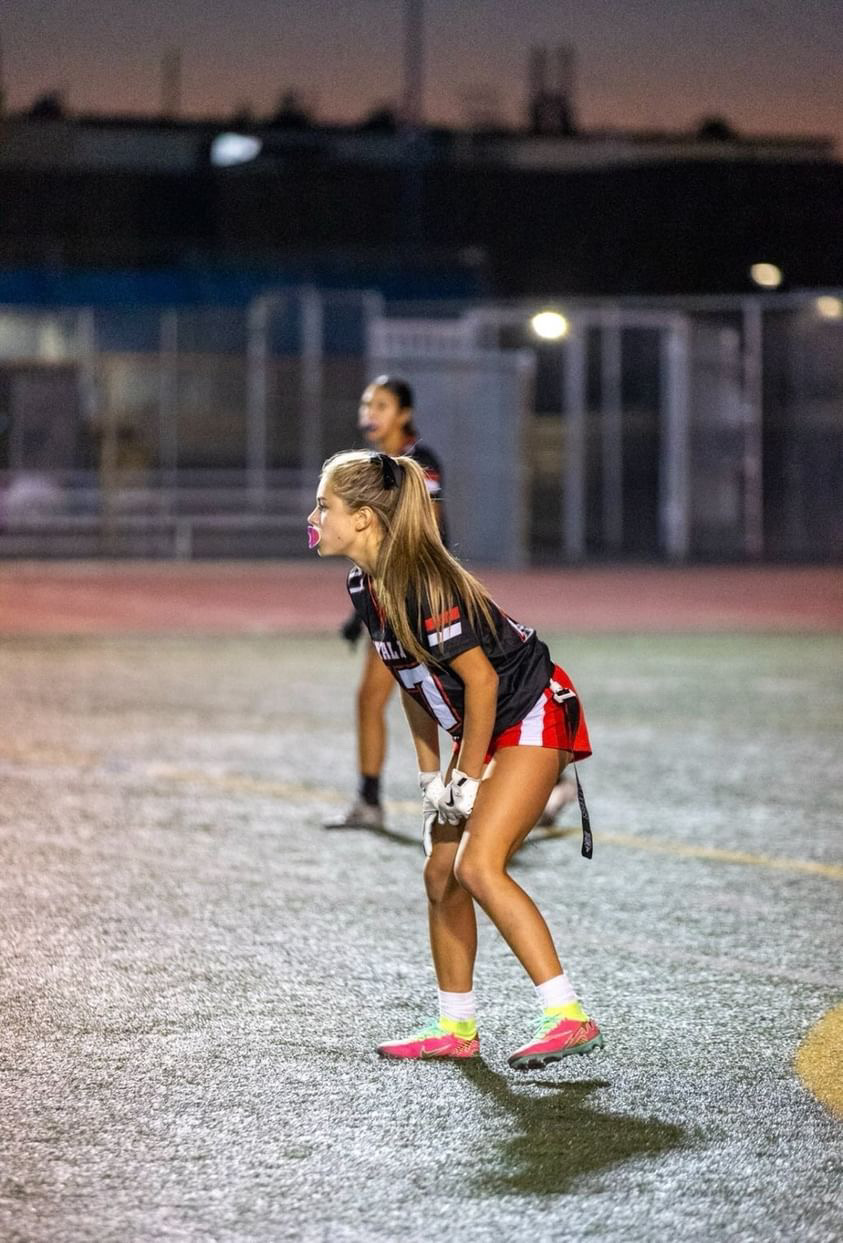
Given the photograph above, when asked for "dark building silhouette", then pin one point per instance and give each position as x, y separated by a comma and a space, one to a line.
533, 212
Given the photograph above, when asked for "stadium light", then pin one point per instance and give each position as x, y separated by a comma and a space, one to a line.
767, 275
549, 325
829, 307
229, 149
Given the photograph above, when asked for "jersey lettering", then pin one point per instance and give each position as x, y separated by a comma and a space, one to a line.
389, 651
419, 681
519, 658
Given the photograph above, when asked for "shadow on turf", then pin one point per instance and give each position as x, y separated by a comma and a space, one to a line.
391, 836
556, 1139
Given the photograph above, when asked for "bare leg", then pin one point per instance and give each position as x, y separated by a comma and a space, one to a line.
376, 685
451, 918
508, 804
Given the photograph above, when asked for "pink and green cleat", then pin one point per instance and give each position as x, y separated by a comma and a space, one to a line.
557, 1037
443, 1038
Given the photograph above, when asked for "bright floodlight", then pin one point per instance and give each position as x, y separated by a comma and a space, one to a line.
549, 325
829, 307
767, 275
228, 149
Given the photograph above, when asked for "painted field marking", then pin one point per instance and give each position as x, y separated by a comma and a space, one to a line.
657, 845
239, 782
819, 1060
298, 790
45, 753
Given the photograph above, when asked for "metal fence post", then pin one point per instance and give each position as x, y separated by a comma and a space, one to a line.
574, 464
753, 376
257, 398
168, 402
611, 400
675, 464
373, 306
311, 311
86, 349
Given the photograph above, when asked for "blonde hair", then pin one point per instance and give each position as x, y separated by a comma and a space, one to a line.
413, 563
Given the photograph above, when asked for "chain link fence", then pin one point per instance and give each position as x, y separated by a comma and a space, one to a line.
677, 430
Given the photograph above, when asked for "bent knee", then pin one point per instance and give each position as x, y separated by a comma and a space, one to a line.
439, 882
474, 875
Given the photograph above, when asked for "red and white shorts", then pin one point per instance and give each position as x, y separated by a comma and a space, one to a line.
556, 720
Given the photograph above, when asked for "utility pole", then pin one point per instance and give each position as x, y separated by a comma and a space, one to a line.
411, 122
171, 83
2, 83
412, 104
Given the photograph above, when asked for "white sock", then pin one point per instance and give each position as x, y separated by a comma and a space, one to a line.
457, 1006
556, 992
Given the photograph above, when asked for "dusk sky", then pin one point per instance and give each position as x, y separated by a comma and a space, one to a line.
772, 66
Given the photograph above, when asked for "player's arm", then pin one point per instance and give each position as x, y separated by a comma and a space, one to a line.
477, 674
352, 628
425, 733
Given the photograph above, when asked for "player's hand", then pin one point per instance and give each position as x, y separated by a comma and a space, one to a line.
351, 629
433, 788
457, 800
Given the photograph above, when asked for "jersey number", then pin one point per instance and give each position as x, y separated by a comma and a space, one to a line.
418, 681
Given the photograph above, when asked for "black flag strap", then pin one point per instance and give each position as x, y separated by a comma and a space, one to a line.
587, 839
571, 708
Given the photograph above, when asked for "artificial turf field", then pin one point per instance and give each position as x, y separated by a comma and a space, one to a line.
195, 973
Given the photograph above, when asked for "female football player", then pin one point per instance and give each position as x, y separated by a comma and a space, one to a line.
515, 719
386, 420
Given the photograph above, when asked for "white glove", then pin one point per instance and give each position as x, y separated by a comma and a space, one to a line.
433, 788
457, 800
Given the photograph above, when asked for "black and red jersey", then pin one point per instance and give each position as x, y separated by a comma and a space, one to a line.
520, 659
429, 462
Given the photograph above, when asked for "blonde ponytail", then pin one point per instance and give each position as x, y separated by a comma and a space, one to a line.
413, 563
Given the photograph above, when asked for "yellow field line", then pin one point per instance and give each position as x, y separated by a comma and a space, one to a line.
241, 783
45, 753
297, 790
656, 845
659, 846
819, 1060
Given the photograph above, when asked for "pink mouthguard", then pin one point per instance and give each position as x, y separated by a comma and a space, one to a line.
313, 536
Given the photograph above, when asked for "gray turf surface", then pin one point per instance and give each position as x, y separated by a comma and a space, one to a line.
195, 974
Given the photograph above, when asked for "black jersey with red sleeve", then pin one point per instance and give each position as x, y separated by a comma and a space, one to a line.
429, 462
520, 659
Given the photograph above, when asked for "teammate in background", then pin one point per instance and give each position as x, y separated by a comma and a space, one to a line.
386, 420
464, 666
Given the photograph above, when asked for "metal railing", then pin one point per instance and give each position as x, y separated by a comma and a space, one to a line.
662, 428
213, 514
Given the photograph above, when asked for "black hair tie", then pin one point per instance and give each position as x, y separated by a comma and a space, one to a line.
392, 472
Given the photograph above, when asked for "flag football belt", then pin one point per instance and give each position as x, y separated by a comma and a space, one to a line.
571, 708
587, 839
